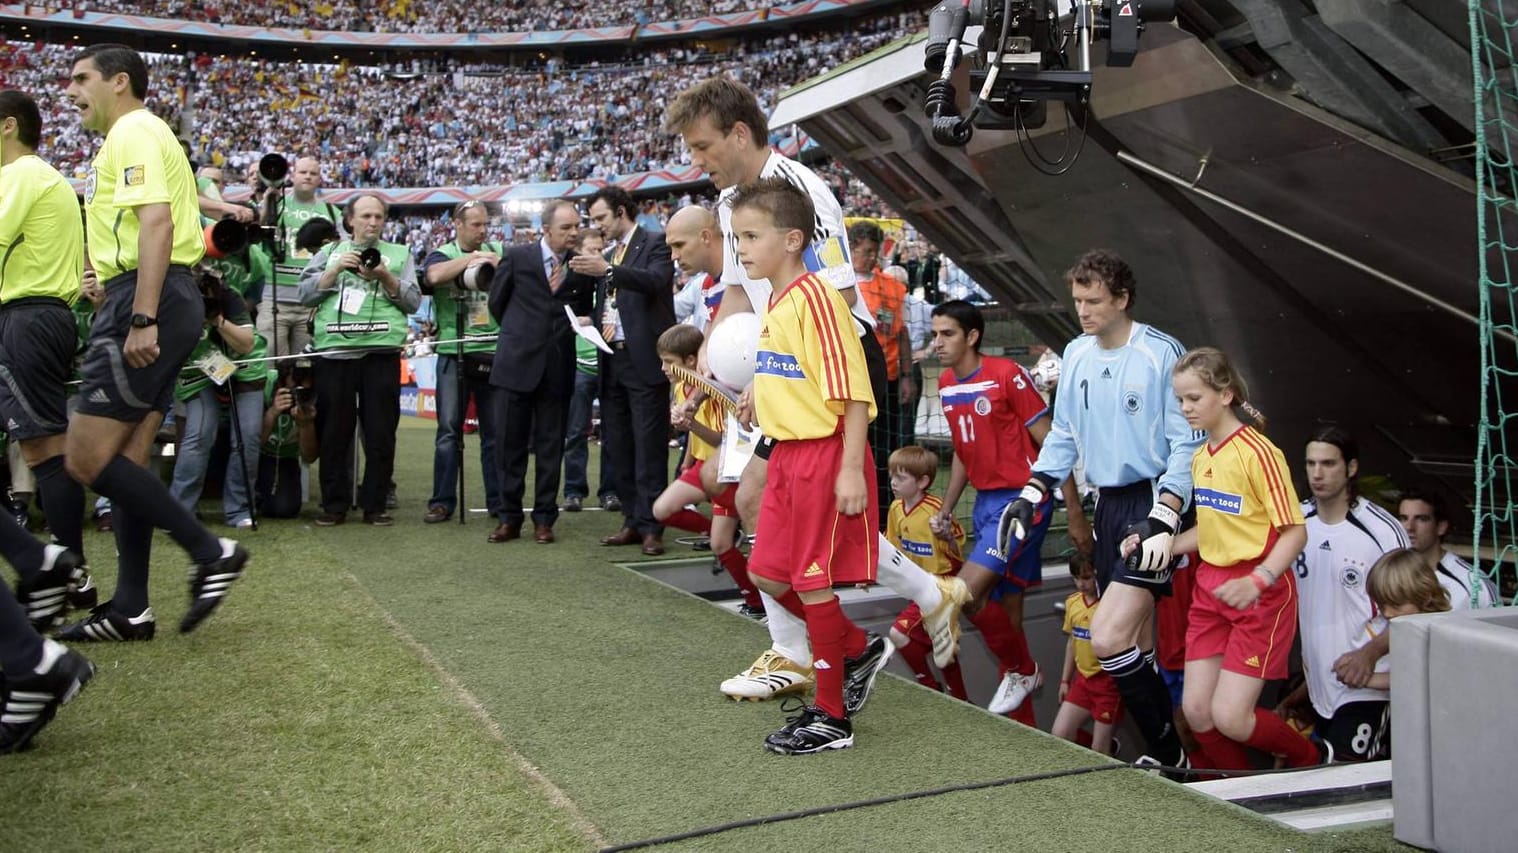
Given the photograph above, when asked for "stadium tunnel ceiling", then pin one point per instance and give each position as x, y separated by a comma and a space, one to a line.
1341, 121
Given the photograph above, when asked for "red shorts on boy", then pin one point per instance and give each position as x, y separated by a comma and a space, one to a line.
725, 503
802, 539
1255, 641
1098, 694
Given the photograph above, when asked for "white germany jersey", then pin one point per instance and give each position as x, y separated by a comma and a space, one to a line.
828, 255
1335, 611
1455, 576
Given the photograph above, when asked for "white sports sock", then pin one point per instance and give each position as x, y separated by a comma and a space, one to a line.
787, 633
906, 578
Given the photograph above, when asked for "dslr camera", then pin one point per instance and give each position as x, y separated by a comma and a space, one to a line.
370, 258
476, 278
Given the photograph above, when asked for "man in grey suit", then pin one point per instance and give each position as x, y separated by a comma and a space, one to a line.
534, 367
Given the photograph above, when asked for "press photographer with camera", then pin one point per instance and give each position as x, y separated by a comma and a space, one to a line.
458, 276
363, 289
288, 440
282, 318
209, 380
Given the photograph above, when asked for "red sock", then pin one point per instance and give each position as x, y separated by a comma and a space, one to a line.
1024, 715
917, 658
828, 629
1008, 644
689, 519
792, 602
954, 682
737, 567
1272, 735
1219, 752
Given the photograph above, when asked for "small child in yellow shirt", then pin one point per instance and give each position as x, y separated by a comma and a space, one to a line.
910, 527
1085, 691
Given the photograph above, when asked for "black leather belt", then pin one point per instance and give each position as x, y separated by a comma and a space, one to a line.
618, 346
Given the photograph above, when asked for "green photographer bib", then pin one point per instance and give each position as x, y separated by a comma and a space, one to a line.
446, 300
358, 314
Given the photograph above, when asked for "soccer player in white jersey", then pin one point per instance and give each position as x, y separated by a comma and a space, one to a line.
1425, 517
1342, 634
727, 133
1116, 411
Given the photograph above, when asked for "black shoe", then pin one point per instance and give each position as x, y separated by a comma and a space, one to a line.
573, 503
85, 595
391, 502
755, 613
29, 702
859, 673
811, 731
45, 595
702, 544
105, 625
331, 519
21, 511
209, 583
378, 519
611, 503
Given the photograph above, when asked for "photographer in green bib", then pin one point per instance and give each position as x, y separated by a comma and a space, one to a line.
458, 275
282, 318
208, 382
363, 289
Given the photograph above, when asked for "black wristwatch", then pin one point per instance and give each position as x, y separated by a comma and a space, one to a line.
142, 321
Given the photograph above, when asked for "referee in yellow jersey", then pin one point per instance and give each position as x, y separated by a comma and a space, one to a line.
143, 233
41, 261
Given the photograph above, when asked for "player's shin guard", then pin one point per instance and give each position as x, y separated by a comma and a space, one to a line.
689, 520
1219, 752
737, 567
899, 574
1273, 736
829, 631
787, 627
1148, 701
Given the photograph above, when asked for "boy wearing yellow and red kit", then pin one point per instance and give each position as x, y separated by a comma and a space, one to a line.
818, 520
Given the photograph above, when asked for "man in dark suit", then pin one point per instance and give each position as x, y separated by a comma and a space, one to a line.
534, 367
634, 305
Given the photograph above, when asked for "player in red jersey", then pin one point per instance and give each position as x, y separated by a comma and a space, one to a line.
997, 421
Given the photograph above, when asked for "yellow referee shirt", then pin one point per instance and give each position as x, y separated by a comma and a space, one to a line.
1243, 494
41, 235
910, 532
139, 163
809, 363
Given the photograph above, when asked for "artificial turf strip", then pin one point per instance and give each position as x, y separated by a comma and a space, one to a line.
295, 718
607, 681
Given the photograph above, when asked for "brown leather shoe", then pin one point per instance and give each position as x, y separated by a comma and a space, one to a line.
625, 536
436, 515
653, 545
542, 534
505, 532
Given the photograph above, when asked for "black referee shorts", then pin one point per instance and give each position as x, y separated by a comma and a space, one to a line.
110, 388
37, 342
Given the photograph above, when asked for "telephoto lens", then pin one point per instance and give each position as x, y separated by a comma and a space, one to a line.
478, 277
370, 258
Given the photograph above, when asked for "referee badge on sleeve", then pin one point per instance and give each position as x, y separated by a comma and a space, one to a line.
134, 176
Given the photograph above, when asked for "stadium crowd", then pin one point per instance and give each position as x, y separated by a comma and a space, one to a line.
447, 16
372, 127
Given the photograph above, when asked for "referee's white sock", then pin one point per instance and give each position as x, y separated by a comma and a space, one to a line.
787, 631
906, 578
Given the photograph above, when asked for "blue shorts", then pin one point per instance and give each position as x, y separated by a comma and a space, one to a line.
1026, 568
1175, 681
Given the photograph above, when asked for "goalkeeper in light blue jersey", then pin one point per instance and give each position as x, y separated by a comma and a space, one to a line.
1115, 411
